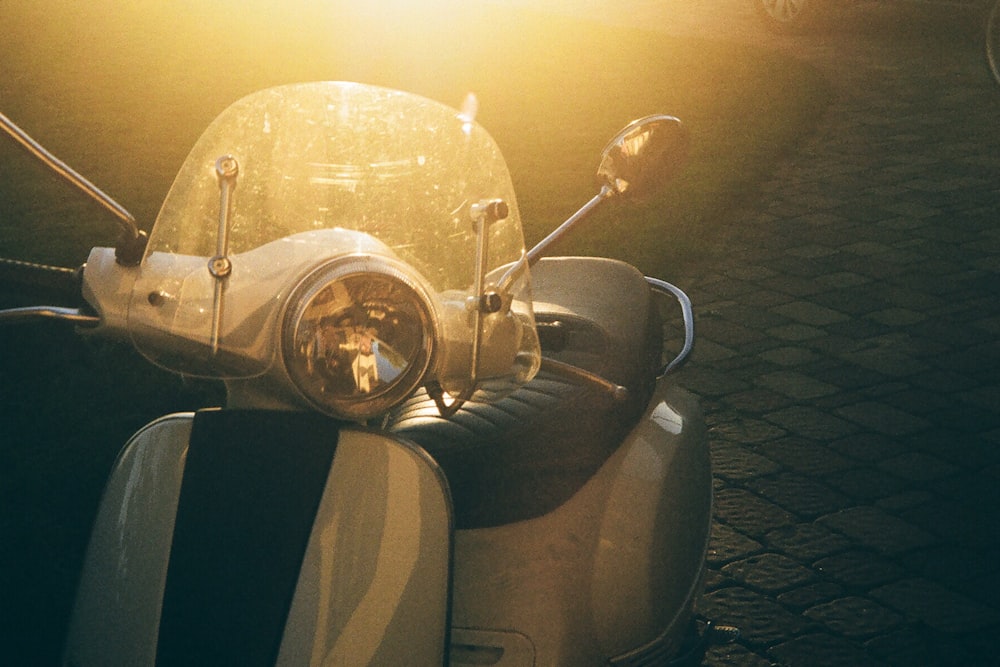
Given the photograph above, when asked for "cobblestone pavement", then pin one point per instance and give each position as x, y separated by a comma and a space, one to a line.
848, 357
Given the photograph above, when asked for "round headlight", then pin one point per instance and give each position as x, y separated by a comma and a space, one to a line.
358, 336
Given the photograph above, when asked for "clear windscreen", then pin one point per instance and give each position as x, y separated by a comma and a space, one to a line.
323, 169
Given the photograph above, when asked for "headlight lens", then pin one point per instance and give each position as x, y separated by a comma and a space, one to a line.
359, 336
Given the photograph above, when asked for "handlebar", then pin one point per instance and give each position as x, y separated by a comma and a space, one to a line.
61, 279
42, 281
56, 281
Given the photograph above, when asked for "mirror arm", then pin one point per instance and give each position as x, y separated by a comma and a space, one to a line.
132, 243
538, 251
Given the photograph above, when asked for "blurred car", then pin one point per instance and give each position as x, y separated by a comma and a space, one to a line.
792, 15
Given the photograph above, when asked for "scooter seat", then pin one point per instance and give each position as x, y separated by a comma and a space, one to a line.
524, 455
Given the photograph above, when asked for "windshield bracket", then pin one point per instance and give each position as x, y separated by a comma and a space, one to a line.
220, 266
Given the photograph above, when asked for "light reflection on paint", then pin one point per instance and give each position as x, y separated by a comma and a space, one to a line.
668, 419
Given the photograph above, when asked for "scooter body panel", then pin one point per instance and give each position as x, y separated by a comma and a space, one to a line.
612, 574
372, 587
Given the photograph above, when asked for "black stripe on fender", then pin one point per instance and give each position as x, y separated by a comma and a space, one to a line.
253, 481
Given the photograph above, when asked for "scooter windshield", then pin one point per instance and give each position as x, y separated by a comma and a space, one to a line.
291, 177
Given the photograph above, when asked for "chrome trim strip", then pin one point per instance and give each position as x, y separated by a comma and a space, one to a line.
687, 311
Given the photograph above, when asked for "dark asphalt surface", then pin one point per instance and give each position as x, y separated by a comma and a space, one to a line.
848, 358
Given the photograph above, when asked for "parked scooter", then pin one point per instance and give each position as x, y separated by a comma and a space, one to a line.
437, 448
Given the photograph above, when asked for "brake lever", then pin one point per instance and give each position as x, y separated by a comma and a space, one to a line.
30, 313
617, 392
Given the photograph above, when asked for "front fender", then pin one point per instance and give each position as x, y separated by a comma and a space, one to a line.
270, 538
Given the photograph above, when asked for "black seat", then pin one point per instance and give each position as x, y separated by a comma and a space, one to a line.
527, 453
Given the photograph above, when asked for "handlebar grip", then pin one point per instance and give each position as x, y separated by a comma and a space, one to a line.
40, 280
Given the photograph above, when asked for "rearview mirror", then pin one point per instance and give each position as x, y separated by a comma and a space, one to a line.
646, 153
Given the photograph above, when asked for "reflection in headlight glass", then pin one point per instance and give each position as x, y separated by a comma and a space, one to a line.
359, 343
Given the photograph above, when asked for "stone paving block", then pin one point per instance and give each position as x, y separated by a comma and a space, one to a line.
749, 272
811, 423
737, 463
762, 622
849, 376
869, 447
796, 286
854, 302
977, 488
709, 382
888, 361
868, 248
796, 385
978, 361
918, 467
748, 513
804, 597
945, 381
727, 545
751, 316
883, 418
745, 430
862, 329
859, 569
765, 298
910, 647
806, 542
897, 317
955, 564
795, 332
833, 344
877, 530
769, 572
809, 313
866, 483
855, 617
946, 411
889, 390
844, 279
812, 251
969, 450
714, 580
789, 356
904, 500
937, 606
733, 655
707, 351
727, 332
803, 496
757, 400
822, 649
838, 399
957, 521
910, 210
806, 456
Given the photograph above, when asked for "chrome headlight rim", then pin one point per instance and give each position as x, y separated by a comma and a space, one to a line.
365, 268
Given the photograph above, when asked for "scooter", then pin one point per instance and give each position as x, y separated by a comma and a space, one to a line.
438, 447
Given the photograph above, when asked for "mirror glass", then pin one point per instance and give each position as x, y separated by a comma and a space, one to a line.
644, 155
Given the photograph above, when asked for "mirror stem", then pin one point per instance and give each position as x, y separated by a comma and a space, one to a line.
132, 239
539, 250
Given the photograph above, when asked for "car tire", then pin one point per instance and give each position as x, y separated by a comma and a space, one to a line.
790, 15
993, 41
